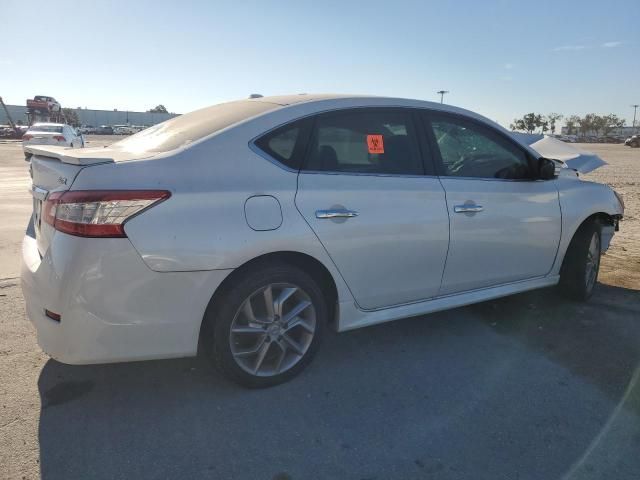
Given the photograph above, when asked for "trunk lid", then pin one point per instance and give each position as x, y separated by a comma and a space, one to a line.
73, 156
53, 169
42, 138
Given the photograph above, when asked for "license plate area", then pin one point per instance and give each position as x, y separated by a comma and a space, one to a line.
39, 196
37, 214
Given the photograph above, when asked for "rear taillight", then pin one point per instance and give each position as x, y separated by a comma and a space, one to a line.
59, 138
97, 213
27, 137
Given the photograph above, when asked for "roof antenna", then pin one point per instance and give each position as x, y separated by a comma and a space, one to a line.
255, 95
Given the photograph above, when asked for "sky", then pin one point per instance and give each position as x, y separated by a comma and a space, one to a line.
499, 58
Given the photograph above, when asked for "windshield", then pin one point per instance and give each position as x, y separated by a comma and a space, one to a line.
46, 128
188, 128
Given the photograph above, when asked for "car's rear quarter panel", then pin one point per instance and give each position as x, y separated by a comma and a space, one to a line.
203, 225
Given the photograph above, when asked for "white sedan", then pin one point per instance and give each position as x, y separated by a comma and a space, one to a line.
250, 227
57, 134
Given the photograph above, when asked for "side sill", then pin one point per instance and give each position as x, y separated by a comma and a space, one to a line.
352, 317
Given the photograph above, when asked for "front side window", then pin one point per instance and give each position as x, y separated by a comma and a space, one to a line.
365, 141
471, 150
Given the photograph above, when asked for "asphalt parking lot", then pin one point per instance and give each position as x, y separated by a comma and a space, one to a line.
527, 387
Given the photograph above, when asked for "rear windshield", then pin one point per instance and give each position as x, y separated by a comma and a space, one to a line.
190, 127
46, 128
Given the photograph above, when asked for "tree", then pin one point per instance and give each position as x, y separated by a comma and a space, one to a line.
586, 123
518, 124
571, 124
528, 123
552, 118
158, 109
531, 122
612, 122
71, 117
543, 124
598, 123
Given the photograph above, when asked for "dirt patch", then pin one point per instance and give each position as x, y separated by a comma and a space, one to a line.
621, 264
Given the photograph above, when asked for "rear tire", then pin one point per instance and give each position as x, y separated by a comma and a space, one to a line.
265, 327
579, 272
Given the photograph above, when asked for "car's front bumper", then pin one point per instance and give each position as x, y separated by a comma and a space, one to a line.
113, 308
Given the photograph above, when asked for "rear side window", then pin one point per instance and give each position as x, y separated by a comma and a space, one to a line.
365, 141
285, 144
46, 128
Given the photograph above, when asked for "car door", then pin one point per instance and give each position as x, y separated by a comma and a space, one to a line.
364, 192
505, 224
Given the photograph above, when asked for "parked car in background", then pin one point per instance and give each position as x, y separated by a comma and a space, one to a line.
633, 141
44, 103
252, 226
87, 129
104, 130
57, 134
6, 131
123, 130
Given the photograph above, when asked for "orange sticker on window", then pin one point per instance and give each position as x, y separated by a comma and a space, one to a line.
375, 144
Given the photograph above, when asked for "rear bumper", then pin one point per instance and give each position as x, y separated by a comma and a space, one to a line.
113, 307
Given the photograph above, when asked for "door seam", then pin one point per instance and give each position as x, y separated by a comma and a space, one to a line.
446, 258
295, 203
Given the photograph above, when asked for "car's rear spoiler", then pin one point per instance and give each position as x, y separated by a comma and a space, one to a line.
75, 156
550, 147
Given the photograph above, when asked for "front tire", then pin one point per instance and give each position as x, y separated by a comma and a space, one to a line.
266, 326
581, 265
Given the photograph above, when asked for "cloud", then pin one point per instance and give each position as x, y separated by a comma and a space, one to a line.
569, 47
508, 66
507, 78
611, 44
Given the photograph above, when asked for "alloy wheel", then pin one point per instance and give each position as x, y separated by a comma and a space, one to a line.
273, 329
593, 261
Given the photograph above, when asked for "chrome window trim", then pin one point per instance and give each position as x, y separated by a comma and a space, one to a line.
363, 174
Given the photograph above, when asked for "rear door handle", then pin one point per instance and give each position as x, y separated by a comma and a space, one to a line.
336, 213
468, 208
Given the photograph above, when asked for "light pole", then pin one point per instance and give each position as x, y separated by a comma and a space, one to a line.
635, 107
441, 93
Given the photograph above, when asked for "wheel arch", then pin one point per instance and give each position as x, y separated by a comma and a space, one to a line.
603, 218
309, 264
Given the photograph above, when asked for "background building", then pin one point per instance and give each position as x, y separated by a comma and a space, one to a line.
94, 117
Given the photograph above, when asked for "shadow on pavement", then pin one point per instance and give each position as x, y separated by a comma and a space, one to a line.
522, 387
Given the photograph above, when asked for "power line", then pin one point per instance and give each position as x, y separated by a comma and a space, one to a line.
635, 107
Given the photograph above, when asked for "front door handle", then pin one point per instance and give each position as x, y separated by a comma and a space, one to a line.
468, 208
336, 213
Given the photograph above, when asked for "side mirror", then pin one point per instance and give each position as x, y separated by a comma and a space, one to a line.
546, 169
